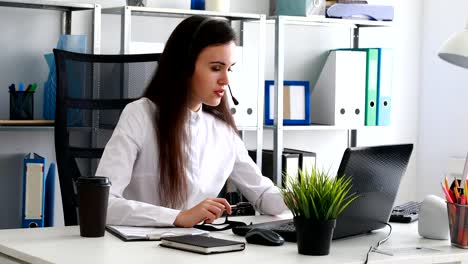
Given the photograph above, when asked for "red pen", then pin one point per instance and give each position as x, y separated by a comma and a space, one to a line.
452, 195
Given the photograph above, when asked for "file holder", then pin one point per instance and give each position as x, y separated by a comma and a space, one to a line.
21, 105
458, 224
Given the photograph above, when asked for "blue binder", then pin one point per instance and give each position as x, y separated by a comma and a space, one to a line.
49, 196
384, 86
34, 182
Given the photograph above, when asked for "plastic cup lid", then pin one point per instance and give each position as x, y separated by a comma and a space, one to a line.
97, 180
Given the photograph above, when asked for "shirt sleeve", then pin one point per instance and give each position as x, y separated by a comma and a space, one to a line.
117, 163
258, 189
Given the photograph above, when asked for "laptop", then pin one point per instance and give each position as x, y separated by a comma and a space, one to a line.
376, 174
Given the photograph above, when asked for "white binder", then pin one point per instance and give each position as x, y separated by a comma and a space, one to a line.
338, 97
244, 82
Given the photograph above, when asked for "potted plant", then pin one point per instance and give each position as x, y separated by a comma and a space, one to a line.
315, 199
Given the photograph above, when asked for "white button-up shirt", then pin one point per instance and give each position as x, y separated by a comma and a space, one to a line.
215, 153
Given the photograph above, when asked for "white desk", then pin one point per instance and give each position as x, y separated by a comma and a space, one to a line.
64, 245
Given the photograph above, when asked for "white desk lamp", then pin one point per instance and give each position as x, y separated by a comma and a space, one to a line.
455, 49
433, 222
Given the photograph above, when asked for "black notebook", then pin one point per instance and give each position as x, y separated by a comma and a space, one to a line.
202, 244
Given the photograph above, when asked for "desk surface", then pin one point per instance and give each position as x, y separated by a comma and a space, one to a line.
64, 245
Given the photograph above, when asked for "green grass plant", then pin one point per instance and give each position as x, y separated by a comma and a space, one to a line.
317, 195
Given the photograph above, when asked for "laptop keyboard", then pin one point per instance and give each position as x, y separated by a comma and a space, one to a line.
287, 227
405, 213
284, 228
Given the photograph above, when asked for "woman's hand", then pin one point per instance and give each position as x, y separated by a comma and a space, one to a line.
208, 210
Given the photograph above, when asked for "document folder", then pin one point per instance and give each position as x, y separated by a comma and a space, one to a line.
372, 64
49, 196
307, 159
244, 83
339, 94
296, 102
33, 191
290, 163
384, 89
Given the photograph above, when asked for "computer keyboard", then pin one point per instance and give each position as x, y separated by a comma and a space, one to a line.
405, 213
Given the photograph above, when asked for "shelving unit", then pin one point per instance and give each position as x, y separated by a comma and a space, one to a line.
278, 127
126, 13
35, 125
67, 9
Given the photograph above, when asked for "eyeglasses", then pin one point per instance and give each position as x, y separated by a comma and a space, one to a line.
227, 224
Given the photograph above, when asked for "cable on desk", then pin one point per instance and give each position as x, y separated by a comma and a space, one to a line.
372, 248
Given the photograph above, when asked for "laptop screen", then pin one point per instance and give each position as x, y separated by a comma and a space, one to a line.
376, 174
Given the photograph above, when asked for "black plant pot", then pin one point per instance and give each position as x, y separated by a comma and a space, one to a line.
313, 237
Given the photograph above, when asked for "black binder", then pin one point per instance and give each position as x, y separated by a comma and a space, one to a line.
290, 163
307, 159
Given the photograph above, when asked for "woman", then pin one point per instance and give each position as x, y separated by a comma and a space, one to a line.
173, 149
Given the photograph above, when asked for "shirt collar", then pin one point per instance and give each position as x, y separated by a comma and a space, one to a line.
196, 117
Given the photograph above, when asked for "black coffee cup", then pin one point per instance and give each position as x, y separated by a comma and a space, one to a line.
93, 194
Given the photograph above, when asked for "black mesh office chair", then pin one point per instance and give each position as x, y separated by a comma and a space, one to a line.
92, 91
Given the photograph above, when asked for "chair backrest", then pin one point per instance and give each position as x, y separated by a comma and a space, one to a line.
92, 91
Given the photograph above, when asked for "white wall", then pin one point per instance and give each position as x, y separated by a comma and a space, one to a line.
443, 96
405, 95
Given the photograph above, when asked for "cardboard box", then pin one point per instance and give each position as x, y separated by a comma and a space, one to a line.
297, 7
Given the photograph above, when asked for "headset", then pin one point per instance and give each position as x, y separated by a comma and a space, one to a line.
194, 37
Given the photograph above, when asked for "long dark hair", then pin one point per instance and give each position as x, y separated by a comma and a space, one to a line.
170, 91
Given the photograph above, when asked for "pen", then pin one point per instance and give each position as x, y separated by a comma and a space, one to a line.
447, 194
465, 171
447, 183
461, 220
11, 88
455, 182
457, 195
455, 189
21, 87
452, 196
33, 87
240, 205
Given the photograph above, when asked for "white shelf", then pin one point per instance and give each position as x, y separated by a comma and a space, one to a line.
310, 128
52, 5
169, 12
8, 125
247, 128
317, 127
321, 20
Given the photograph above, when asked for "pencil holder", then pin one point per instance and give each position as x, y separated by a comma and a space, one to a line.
458, 224
21, 105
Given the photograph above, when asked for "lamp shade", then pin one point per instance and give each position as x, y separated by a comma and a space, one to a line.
455, 49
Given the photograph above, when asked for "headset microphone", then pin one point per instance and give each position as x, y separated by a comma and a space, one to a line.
233, 98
